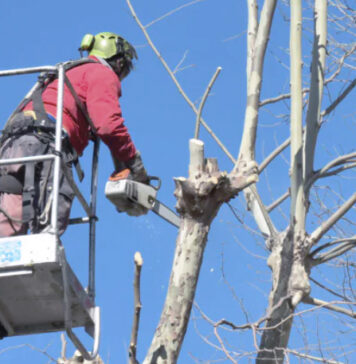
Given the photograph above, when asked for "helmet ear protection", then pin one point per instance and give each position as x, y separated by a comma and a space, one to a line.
87, 42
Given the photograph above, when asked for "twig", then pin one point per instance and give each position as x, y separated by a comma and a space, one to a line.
133, 343
337, 101
334, 253
34, 348
314, 358
273, 155
172, 12
330, 305
64, 347
181, 91
323, 172
332, 220
329, 290
223, 346
202, 103
306, 90
279, 200
180, 62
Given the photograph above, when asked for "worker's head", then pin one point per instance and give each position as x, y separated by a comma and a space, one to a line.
117, 51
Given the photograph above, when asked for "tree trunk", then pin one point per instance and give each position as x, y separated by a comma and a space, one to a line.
290, 271
171, 329
198, 200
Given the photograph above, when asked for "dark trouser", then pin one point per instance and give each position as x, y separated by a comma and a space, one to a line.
11, 205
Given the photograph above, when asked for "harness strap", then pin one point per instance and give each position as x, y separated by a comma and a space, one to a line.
80, 105
28, 211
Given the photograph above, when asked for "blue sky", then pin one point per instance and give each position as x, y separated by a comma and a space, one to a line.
161, 123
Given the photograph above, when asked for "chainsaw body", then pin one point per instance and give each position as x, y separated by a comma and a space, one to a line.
137, 198
130, 196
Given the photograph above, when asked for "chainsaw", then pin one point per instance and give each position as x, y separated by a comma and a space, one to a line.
135, 198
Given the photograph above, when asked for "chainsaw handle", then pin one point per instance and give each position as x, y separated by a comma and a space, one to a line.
155, 178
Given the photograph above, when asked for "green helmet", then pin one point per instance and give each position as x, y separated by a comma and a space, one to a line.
109, 46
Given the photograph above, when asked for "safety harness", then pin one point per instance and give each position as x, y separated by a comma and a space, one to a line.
42, 125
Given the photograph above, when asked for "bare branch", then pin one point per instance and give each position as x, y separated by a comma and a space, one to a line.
223, 346
325, 171
202, 103
180, 89
332, 220
311, 357
297, 209
331, 305
335, 252
282, 97
331, 78
34, 348
259, 211
279, 200
273, 155
329, 290
133, 342
251, 34
172, 12
64, 347
316, 87
247, 147
339, 99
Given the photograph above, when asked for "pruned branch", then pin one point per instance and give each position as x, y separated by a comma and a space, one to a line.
136, 320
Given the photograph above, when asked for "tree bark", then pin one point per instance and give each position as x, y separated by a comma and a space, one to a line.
198, 200
290, 274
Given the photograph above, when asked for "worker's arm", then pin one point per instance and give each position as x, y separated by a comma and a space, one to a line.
103, 92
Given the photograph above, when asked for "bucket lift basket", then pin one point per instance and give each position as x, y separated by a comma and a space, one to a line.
39, 291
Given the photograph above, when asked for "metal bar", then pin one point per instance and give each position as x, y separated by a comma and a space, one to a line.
79, 220
22, 71
96, 340
58, 148
12, 273
94, 188
76, 190
38, 158
68, 315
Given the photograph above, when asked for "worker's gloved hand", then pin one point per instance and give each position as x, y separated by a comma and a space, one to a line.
137, 170
126, 205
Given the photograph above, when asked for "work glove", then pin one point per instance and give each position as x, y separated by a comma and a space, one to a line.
126, 205
137, 170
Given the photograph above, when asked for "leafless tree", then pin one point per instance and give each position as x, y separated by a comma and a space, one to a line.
297, 249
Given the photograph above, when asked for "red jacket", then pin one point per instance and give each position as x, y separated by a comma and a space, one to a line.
99, 88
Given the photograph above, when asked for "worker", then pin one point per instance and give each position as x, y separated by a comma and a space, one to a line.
90, 109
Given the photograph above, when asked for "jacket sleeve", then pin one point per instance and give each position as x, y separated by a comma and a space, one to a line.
103, 92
